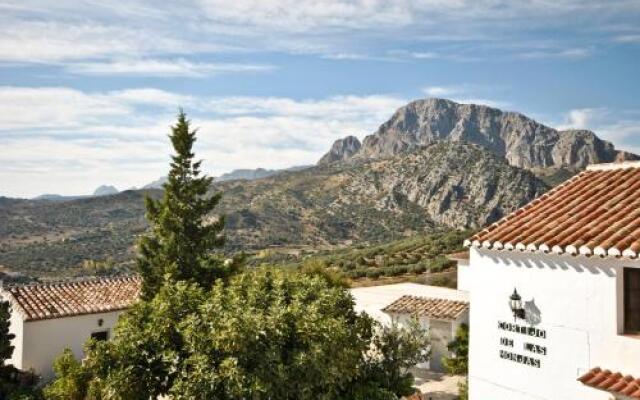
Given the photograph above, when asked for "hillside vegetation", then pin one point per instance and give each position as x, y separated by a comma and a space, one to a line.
444, 185
416, 255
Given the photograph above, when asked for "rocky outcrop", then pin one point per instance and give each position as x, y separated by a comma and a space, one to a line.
341, 150
456, 184
453, 184
522, 141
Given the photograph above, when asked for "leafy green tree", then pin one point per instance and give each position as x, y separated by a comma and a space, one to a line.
264, 334
183, 234
396, 350
463, 390
318, 267
74, 382
458, 364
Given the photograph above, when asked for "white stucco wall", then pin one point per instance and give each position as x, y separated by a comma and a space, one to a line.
16, 328
43, 341
463, 274
579, 300
373, 299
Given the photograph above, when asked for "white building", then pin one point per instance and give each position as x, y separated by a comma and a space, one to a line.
439, 310
47, 318
573, 329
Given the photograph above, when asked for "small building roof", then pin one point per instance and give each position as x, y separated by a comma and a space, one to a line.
373, 299
55, 300
597, 212
614, 383
442, 309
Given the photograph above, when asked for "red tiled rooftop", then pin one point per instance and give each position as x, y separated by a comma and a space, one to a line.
55, 300
596, 212
427, 307
615, 383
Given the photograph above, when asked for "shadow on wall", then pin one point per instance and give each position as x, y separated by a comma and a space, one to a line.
533, 314
542, 261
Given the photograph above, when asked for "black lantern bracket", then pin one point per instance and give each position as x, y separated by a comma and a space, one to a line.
515, 303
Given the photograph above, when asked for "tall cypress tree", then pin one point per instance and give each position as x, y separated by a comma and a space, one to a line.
184, 233
6, 349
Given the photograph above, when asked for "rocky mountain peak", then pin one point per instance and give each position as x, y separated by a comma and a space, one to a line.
342, 149
522, 141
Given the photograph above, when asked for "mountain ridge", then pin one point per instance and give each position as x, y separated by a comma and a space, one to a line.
522, 141
440, 186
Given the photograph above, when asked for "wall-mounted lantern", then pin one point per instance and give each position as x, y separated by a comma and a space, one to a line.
515, 302
100, 322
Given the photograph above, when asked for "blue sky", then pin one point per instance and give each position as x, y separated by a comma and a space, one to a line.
88, 89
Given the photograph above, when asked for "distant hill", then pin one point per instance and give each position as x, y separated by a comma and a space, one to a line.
157, 184
102, 190
444, 185
258, 173
105, 190
57, 197
244, 174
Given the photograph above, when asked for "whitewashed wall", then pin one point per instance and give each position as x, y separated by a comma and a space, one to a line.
463, 274
580, 304
16, 328
43, 341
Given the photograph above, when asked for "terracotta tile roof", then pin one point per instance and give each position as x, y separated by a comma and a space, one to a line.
614, 383
55, 300
429, 307
596, 212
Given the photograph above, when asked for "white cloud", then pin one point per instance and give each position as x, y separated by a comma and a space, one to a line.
151, 96
331, 15
612, 125
69, 141
569, 54
465, 94
630, 38
37, 41
584, 118
54, 108
485, 102
440, 91
305, 16
98, 36
163, 68
428, 55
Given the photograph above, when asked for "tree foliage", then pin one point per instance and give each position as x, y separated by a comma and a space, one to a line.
463, 390
394, 350
458, 363
265, 334
6, 349
184, 233
73, 382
